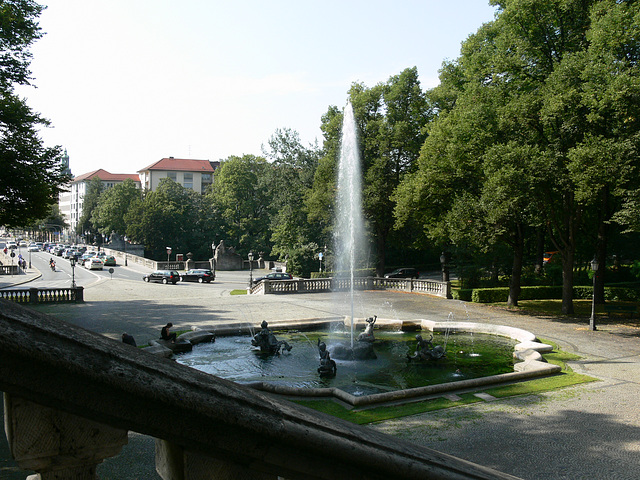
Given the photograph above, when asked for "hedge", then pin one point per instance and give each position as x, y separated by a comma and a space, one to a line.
501, 294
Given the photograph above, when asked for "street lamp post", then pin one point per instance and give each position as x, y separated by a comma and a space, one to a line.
592, 320
213, 259
320, 255
72, 261
124, 242
250, 269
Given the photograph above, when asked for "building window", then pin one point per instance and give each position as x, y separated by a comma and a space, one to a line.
207, 179
173, 176
188, 180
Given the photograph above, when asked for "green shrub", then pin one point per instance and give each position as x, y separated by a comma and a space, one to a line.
490, 295
463, 294
501, 294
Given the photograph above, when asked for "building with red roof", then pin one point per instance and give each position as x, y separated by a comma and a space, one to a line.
194, 174
79, 186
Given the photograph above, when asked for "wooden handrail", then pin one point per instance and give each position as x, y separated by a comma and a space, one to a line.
64, 367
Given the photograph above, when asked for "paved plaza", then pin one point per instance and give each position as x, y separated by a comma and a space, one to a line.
587, 431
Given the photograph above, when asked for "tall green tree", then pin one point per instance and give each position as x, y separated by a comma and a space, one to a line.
240, 202
288, 180
533, 120
85, 226
391, 119
31, 175
109, 213
168, 217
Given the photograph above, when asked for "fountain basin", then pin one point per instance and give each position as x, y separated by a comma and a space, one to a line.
233, 351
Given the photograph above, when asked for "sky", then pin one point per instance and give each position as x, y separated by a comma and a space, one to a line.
128, 82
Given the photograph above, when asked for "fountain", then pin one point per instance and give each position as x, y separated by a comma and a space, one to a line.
392, 371
349, 233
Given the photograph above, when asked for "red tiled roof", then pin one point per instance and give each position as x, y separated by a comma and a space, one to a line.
107, 177
181, 164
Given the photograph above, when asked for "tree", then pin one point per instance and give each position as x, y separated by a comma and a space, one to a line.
240, 201
536, 126
391, 120
288, 180
31, 175
109, 214
168, 217
90, 201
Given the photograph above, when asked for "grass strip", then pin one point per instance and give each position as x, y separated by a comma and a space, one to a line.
378, 414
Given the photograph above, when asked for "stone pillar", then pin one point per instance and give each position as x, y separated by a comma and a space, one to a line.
33, 295
57, 445
173, 462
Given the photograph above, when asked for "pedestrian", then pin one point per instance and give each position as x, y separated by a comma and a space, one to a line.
166, 335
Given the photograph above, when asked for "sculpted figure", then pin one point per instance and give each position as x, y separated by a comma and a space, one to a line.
268, 342
367, 335
327, 366
426, 351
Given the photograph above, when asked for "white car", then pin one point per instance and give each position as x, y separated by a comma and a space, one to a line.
33, 248
93, 264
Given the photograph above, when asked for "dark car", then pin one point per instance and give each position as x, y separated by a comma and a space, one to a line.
274, 276
198, 275
162, 276
403, 273
109, 261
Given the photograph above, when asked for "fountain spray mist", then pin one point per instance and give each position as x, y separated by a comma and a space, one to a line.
349, 236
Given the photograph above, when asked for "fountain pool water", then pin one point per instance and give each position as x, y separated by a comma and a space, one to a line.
233, 358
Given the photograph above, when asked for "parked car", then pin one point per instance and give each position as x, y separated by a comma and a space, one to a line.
162, 276
93, 264
197, 275
274, 276
109, 261
403, 273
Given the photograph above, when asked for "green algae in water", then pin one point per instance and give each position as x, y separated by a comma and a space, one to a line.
467, 356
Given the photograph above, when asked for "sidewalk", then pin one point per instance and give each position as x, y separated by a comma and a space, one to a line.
20, 278
587, 431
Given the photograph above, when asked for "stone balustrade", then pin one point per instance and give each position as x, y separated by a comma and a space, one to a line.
303, 285
72, 395
44, 295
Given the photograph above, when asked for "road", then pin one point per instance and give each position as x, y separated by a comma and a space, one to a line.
64, 273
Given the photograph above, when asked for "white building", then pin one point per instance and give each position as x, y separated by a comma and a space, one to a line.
79, 187
194, 174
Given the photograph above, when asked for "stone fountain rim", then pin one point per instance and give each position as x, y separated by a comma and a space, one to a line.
528, 351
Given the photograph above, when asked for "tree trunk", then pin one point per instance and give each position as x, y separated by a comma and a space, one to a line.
539, 251
516, 271
381, 259
567, 281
